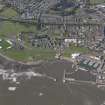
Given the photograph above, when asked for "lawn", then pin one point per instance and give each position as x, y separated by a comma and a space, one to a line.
8, 28
92, 1
8, 12
73, 49
30, 55
97, 1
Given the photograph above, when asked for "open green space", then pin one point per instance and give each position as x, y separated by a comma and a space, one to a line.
13, 28
30, 55
74, 49
91, 1
9, 28
8, 12
97, 1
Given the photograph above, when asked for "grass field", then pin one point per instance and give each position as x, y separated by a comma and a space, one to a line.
92, 1
97, 1
9, 28
73, 49
8, 12
30, 55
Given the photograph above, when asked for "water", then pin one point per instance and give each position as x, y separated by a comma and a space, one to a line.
45, 91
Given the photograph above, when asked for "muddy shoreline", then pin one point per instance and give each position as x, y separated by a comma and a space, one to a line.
44, 90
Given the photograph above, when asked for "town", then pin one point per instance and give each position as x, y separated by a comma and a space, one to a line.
53, 51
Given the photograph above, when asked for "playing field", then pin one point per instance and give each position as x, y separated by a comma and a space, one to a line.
30, 55
73, 49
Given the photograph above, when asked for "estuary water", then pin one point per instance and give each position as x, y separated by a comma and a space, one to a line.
49, 89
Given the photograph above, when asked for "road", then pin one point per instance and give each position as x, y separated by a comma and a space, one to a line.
48, 20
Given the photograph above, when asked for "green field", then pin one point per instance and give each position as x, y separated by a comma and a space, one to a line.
8, 12
97, 1
9, 28
30, 55
91, 1
73, 49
